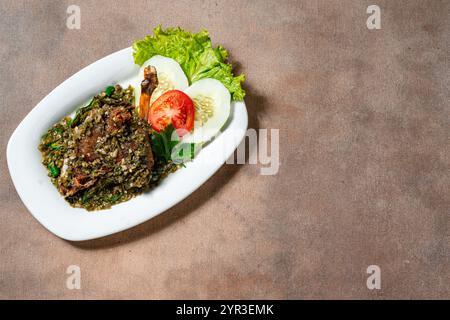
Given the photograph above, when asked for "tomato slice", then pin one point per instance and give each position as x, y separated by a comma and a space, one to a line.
174, 107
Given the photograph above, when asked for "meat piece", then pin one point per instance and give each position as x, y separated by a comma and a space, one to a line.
86, 146
124, 150
80, 181
127, 146
149, 156
148, 151
117, 119
148, 85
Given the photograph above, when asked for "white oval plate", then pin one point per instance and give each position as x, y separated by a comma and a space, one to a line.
48, 206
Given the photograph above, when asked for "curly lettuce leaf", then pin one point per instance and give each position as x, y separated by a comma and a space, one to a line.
194, 52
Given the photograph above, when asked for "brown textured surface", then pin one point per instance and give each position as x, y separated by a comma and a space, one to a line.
364, 150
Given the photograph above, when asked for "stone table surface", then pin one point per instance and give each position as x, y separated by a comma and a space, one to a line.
363, 119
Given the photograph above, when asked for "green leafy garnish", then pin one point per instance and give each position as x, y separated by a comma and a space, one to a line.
109, 90
184, 152
81, 113
115, 197
85, 197
55, 146
194, 52
162, 143
167, 146
54, 170
58, 130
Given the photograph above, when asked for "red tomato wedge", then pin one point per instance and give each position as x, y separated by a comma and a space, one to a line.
174, 107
